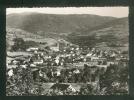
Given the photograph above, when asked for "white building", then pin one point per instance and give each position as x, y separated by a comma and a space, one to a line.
32, 49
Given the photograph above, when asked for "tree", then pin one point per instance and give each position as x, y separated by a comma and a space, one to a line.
19, 44
88, 89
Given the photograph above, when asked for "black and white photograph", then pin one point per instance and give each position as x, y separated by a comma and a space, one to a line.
54, 51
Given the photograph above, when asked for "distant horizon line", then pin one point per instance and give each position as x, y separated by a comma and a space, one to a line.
64, 14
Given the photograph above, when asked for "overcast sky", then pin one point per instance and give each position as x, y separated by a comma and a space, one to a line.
103, 11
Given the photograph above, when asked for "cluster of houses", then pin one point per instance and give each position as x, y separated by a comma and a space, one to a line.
66, 64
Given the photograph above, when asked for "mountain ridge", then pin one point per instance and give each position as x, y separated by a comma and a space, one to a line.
34, 22
73, 28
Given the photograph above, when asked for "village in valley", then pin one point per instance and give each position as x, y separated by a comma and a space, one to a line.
55, 57
63, 64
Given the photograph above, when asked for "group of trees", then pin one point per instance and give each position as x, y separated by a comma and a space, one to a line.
20, 83
83, 41
21, 45
91, 40
115, 80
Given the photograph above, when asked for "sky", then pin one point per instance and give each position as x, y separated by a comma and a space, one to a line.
102, 11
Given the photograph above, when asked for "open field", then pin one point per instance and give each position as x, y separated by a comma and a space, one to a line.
14, 54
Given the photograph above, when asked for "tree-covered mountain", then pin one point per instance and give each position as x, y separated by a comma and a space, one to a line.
34, 22
112, 33
80, 29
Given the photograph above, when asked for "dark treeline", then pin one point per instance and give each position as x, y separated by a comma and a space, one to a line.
21, 45
91, 41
